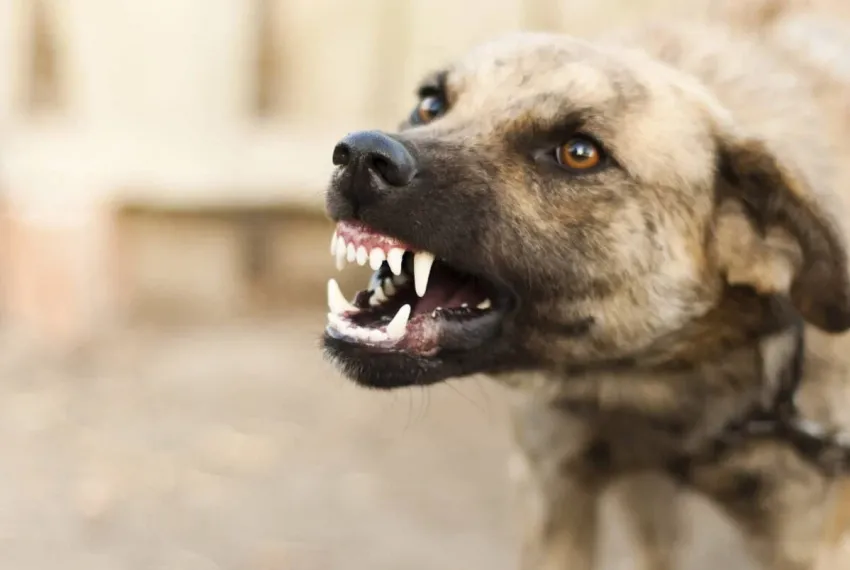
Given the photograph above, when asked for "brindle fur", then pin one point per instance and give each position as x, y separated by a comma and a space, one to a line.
656, 293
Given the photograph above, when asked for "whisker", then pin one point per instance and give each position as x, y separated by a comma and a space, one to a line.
465, 397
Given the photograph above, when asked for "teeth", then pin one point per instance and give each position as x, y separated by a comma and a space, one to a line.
337, 302
400, 280
376, 258
362, 333
464, 305
333, 244
340, 254
485, 304
422, 263
377, 336
394, 258
377, 297
388, 287
396, 328
351, 253
362, 255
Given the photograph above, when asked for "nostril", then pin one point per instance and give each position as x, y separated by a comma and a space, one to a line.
341, 155
382, 166
394, 173
367, 153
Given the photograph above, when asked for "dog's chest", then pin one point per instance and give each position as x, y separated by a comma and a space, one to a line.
593, 445
614, 425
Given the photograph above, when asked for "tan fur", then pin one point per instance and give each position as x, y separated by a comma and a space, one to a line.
676, 315
675, 103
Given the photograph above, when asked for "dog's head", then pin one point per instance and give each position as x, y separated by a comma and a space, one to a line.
550, 203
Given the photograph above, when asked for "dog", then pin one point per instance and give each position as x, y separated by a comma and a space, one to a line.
645, 236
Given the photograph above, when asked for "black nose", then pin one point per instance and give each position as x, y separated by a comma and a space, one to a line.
373, 151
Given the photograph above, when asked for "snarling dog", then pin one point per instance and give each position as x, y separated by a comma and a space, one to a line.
645, 235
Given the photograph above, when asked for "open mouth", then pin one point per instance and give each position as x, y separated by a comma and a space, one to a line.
414, 302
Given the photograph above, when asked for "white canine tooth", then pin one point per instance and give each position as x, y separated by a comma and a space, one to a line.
464, 305
397, 326
337, 302
362, 255
388, 287
333, 244
394, 258
340, 254
377, 336
422, 263
485, 304
340, 258
351, 253
376, 258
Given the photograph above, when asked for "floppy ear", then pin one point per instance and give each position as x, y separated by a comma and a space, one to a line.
774, 235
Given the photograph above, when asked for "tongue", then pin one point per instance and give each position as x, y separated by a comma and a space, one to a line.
448, 290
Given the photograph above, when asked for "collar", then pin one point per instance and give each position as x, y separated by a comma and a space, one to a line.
776, 417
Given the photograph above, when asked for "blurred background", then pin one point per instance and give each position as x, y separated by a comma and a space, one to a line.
163, 260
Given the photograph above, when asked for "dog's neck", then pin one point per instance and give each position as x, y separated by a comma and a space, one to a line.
696, 397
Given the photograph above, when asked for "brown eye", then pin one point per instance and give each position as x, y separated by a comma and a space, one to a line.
428, 109
578, 153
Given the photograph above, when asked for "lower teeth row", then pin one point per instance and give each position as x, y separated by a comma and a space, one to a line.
381, 289
394, 330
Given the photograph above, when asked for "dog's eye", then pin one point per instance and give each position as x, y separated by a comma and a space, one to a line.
429, 108
579, 154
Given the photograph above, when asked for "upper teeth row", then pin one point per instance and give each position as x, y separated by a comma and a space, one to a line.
348, 252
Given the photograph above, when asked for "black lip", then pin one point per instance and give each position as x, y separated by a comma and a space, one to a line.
391, 370
383, 370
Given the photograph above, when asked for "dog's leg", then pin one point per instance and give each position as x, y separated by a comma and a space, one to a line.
836, 542
560, 525
560, 489
650, 506
787, 539
780, 501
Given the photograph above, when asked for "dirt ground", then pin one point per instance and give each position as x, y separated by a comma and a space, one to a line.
237, 447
